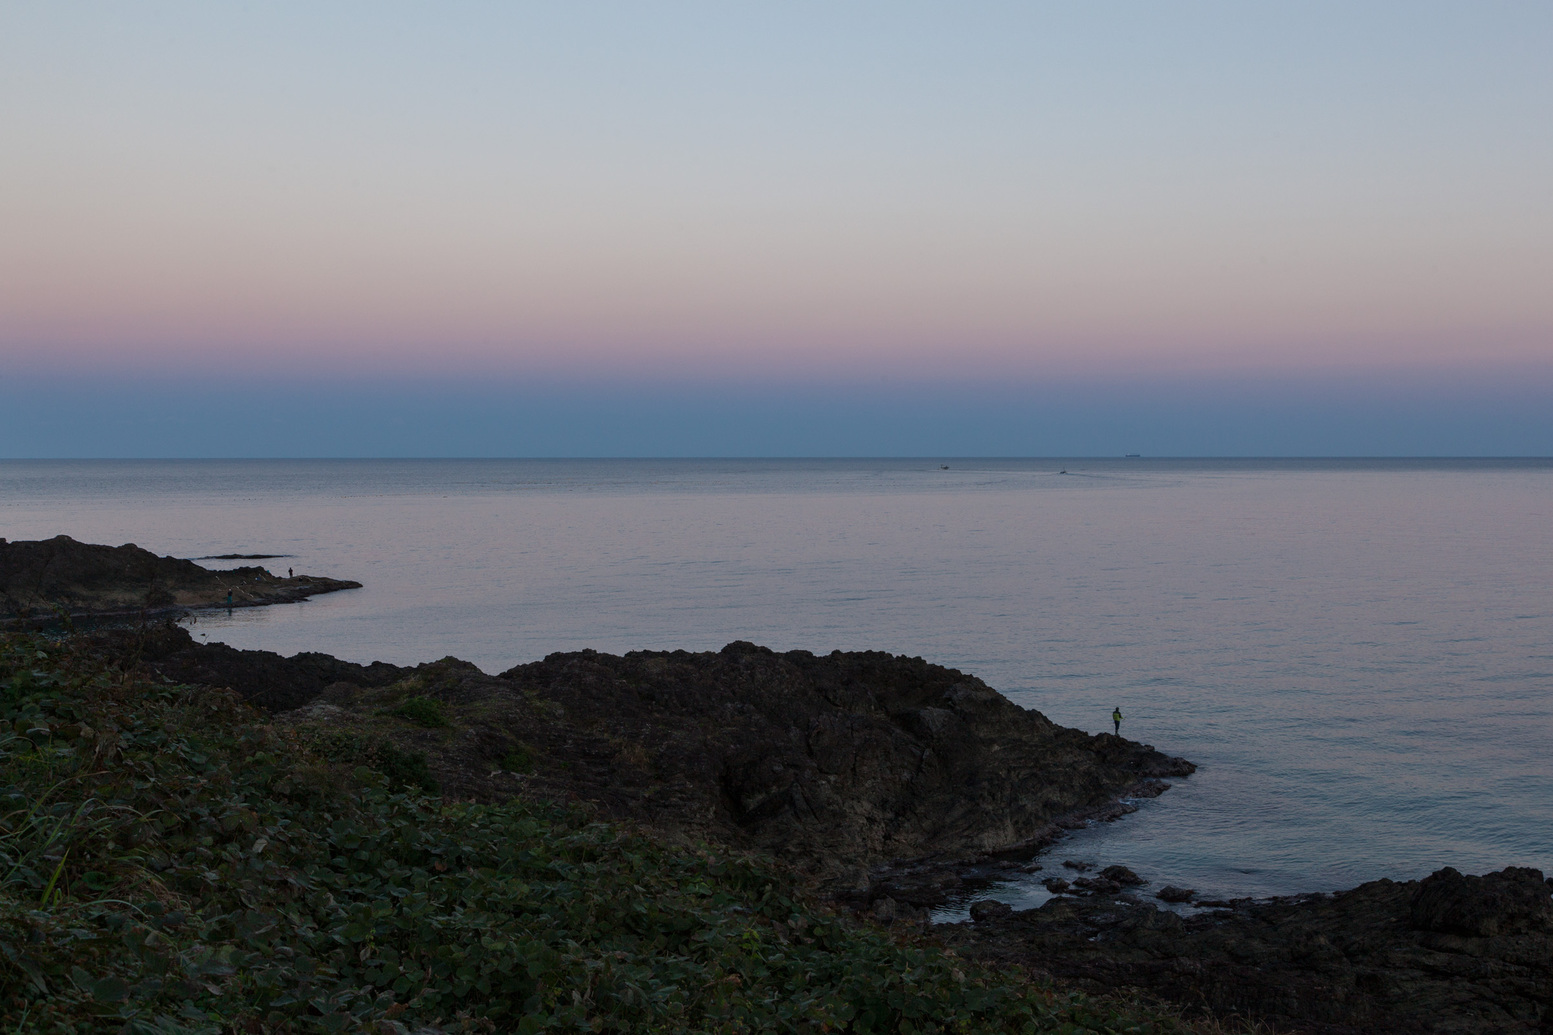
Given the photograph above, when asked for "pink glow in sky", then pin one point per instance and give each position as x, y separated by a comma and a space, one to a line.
997, 190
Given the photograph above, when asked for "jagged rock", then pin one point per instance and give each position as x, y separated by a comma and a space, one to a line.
1510, 901
1171, 893
1122, 875
43, 578
989, 909
1098, 885
1074, 864
1056, 885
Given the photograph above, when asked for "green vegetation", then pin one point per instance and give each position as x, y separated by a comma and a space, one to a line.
423, 711
404, 769
170, 863
518, 760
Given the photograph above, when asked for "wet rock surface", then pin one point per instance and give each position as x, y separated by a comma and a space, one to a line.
990, 909
41, 579
1447, 954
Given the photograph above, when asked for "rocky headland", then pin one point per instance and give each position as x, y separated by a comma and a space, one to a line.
895, 785
50, 578
877, 775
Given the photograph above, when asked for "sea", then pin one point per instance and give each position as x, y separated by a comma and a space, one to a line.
1358, 654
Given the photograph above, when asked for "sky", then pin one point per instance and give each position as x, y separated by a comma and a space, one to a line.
799, 229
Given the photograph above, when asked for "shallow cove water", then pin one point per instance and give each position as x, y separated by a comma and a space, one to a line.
1356, 653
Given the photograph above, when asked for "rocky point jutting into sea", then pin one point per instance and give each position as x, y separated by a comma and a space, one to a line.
896, 785
60, 577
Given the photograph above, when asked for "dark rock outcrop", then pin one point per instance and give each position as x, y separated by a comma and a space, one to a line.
44, 578
842, 764
990, 909
841, 761
1511, 901
1123, 876
1447, 954
263, 678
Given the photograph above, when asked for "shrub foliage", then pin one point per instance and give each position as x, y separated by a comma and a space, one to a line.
171, 863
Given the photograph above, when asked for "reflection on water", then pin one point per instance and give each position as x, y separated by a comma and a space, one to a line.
1356, 653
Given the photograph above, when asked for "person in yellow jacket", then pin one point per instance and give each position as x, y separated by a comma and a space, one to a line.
1116, 717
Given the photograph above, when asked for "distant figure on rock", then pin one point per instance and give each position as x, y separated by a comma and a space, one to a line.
229, 598
1116, 717
291, 573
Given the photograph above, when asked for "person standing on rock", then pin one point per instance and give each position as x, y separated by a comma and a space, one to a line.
1116, 717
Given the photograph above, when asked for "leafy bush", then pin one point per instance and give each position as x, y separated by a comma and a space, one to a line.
171, 864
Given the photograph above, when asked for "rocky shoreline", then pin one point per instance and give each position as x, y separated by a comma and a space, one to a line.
896, 786
1450, 953
50, 579
892, 785
870, 773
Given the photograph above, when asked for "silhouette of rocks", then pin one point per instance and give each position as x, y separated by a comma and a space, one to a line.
40, 579
263, 678
1171, 893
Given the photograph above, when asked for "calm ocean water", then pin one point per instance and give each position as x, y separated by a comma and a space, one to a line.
1356, 653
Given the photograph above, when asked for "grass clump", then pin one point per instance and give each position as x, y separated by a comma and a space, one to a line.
404, 769
423, 711
170, 863
518, 760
